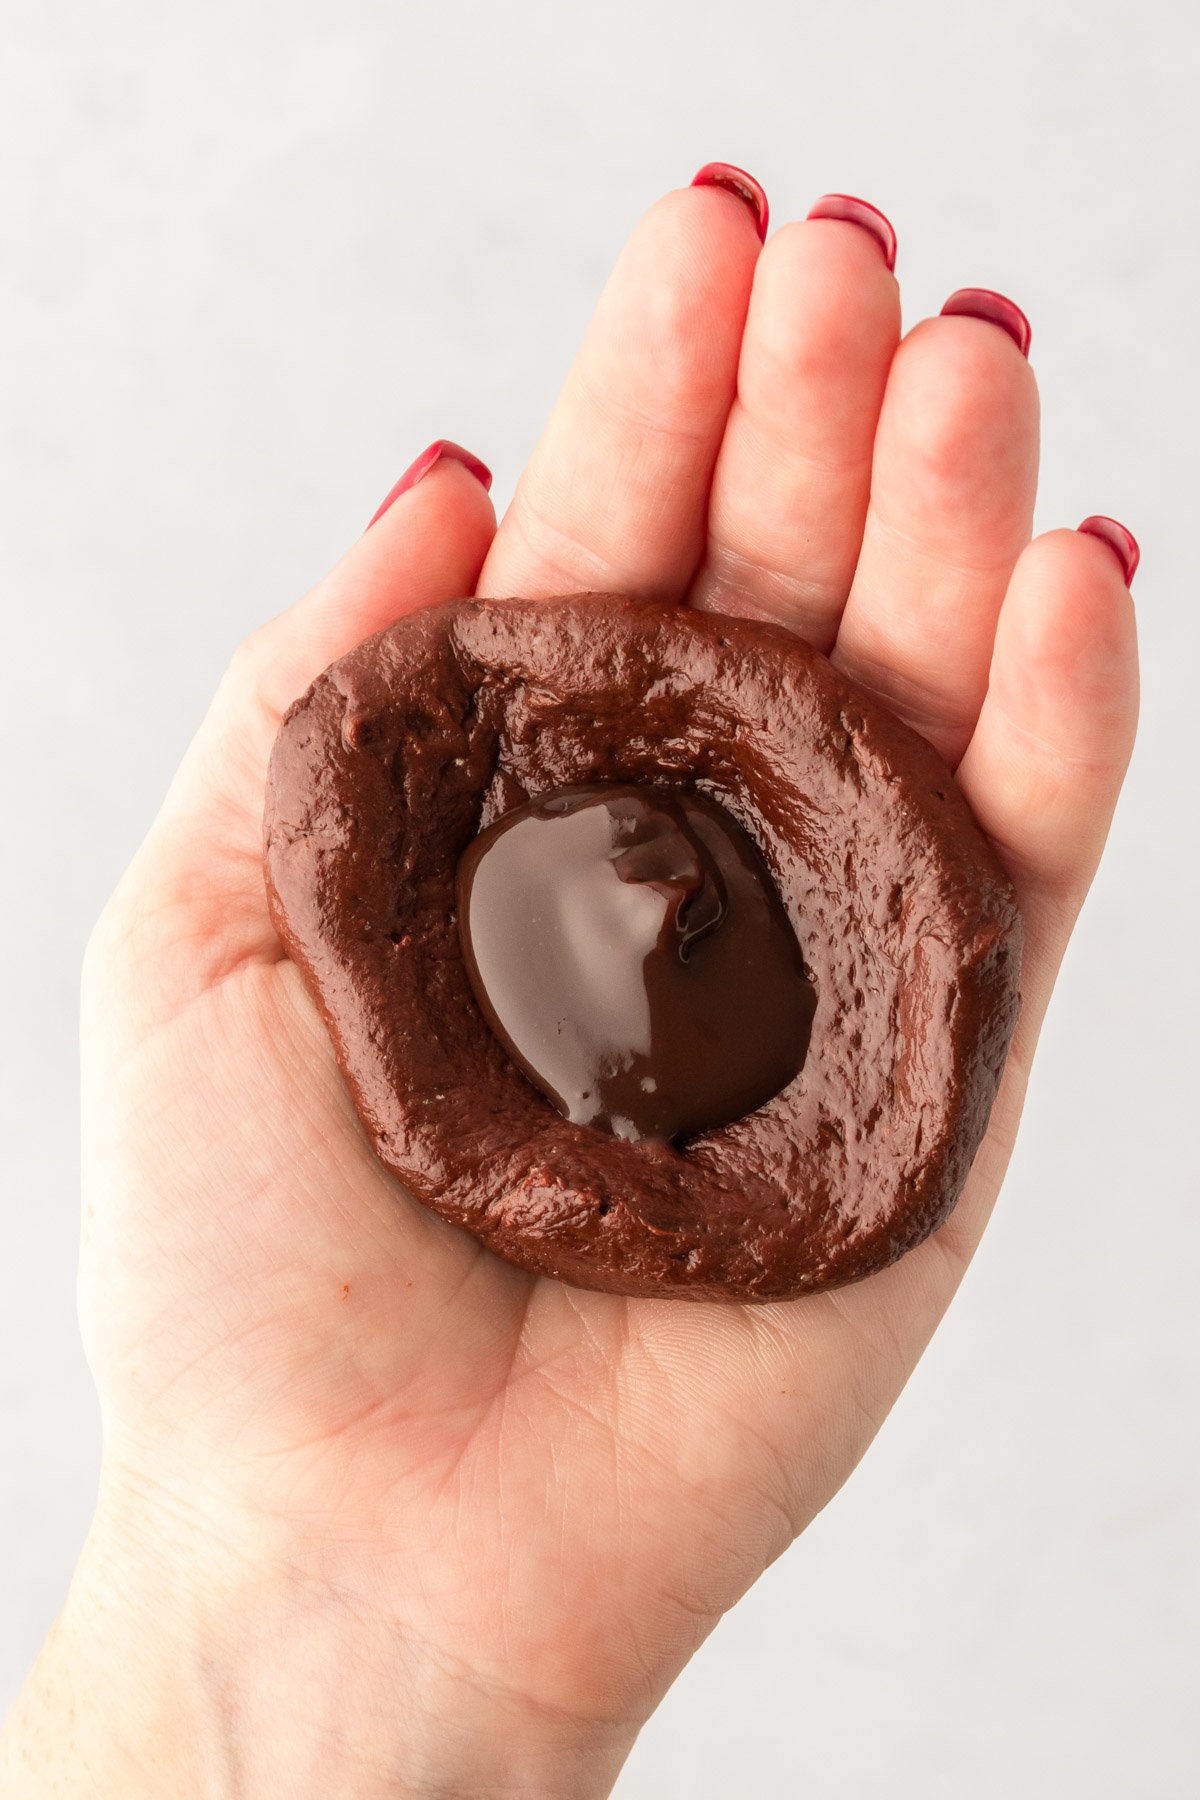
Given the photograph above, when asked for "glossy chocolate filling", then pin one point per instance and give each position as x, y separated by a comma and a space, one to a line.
629, 949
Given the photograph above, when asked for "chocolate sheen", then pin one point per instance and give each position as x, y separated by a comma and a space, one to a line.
629, 949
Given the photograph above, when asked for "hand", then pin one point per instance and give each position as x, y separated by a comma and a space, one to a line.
380, 1514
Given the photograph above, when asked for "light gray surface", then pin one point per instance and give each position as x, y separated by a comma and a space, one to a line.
254, 258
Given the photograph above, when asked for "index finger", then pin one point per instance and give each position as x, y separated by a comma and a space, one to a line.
615, 494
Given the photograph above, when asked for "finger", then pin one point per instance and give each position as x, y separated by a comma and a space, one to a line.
196, 884
614, 495
790, 491
1043, 773
426, 543
1044, 767
952, 491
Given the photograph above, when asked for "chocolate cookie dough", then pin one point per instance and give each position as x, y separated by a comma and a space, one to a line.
906, 930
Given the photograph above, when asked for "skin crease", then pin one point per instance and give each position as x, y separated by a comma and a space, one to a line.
380, 1515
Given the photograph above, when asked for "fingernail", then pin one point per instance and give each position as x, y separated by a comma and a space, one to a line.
983, 303
853, 211
1119, 539
736, 181
429, 459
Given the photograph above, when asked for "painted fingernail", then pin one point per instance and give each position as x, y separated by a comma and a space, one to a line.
995, 309
441, 450
853, 211
736, 181
1119, 539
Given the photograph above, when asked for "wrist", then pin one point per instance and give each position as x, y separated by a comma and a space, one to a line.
177, 1669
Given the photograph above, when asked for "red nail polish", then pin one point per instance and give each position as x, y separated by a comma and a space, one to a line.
736, 181
1119, 539
853, 211
983, 303
428, 459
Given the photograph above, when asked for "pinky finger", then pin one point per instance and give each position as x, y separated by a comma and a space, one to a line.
1049, 752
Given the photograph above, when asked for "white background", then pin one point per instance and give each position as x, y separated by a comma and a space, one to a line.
255, 257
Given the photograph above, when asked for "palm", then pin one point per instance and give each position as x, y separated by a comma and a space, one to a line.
299, 1319
559, 1489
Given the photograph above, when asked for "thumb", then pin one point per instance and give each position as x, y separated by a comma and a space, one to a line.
193, 895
